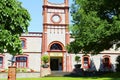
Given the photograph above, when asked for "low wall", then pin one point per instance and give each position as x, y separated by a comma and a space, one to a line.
45, 71
22, 75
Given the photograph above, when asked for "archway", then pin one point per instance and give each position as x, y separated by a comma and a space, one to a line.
56, 56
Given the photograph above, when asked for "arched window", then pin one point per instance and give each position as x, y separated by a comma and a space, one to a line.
56, 47
21, 62
106, 61
23, 43
1, 62
86, 62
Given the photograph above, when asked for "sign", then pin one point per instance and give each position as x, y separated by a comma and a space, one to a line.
56, 54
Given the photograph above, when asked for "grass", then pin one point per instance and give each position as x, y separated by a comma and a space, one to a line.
69, 78
112, 75
108, 76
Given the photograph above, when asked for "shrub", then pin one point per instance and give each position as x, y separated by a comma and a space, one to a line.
77, 59
45, 59
21, 69
118, 64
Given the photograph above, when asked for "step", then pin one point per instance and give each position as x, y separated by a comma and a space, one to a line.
58, 74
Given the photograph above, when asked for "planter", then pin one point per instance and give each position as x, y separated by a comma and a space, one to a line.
77, 65
45, 66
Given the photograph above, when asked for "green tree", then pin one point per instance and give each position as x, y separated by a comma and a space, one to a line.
96, 25
14, 20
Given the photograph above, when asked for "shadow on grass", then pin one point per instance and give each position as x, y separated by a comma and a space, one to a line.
96, 75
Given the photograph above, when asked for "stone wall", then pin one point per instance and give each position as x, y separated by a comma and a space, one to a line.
21, 75
45, 72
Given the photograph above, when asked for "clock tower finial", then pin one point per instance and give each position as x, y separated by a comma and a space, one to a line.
45, 2
66, 2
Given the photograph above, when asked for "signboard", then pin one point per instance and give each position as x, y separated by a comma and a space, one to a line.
56, 54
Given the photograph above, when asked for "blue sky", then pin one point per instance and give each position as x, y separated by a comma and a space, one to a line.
34, 7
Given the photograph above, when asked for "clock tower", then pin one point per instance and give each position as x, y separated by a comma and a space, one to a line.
56, 34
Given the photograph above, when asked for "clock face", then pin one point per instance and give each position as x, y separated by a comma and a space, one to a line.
56, 18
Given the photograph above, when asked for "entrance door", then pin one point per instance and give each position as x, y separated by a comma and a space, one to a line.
54, 63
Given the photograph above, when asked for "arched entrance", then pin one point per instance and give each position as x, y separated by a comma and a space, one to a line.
56, 63
56, 56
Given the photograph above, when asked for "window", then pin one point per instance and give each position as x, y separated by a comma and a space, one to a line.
106, 62
56, 47
23, 43
1, 62
86, 62
21, 62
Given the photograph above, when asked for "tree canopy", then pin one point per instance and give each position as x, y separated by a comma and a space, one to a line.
14, 20
96, 25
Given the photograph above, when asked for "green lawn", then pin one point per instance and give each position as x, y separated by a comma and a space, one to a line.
68, 78
108, 76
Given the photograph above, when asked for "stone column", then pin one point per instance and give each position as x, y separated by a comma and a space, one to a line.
12, 73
